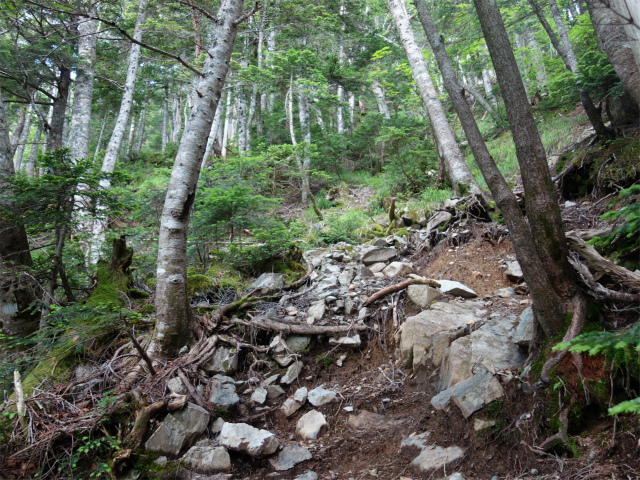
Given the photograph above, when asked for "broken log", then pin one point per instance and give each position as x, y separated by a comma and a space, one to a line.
398, 287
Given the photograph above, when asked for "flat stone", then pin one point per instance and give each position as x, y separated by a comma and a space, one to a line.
346, 277
514, 272
259, 395
310, 425
362, 313
524, 331
207, 459
481, 423
178, 430
223, 392
378, 255
298, 343
371, 421
439, 219
224, 361
309, 475
398, 269
347, 342
274, 391
317, 310
377, 268
364, 272
314, 256
244, 438
269, 282
380, 242
471, 394
456, 288
320, 396
505, 292
290, 406
301, 395
289, 457
432, 457
176, 386
349, 306
216, 426
292, 373
423, 295
284, 360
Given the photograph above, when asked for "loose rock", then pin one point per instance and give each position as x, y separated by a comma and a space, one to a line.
310, 425
247, 439
289, 457
207, 459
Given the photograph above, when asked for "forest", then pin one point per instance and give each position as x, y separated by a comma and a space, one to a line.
276, 197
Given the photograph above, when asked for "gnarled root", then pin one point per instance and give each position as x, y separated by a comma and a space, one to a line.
563, 418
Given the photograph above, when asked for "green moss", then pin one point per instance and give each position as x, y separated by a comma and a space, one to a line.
153, 471
401, 231
198, 284
147, 309
109, 290
226, 277
151, 283
138, 294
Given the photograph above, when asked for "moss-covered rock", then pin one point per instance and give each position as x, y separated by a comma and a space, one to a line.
198, 284
147, 309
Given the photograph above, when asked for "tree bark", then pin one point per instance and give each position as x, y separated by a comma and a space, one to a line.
111, 155
547, 305
165, 118
488, 89
22, 141
241, 104
481, 100
172, 303
83, 95
542, 207
227, 124
383, 109
100, 136
615, 44
141, 128
56, 126
33, 155
304, 109
628, 11
17, 133
460, 174
213, 142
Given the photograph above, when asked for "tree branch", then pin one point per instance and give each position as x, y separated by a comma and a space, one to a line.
247, 15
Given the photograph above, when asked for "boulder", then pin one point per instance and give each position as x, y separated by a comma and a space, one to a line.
431, 457
269, 282
320, 396
471, 394
310, 425
223, 392
225, 361
524, 331
315, 257
379, 255
316, 311
298, 343
244, 438
290, 406
292, 373
417, 331
347, 342
491, 346
514, 272
346, 277
176, 386
398, 269
301, 395
456, 288
259, 395
423, 295
289, 457
178, 430
207, 459
377, 268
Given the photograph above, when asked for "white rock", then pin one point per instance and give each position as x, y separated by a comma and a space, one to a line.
362, 313
269, 281
207, 459
176, 386
377, 267
310, 425
505, 292
247, 439
292, 373
297, 343
456, 288
347, 342
301, 395
514, 272
274, 391
398, 269
346, 277
225, 361
289, 457
317, 310
320, 396
423, 295
290, 406
178, 430
259, 395
431, 457
524, 331
481, 423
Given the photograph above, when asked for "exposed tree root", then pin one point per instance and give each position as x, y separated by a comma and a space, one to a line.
563, 418
596, 289
398, 287
265, 323
304, 278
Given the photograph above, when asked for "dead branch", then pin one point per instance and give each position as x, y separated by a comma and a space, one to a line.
142, 352
265, 323
399, 287
192, 391
600, 265
238, 344
301, 281
596, 289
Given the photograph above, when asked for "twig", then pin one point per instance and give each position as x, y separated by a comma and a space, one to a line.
192, 391
142, 352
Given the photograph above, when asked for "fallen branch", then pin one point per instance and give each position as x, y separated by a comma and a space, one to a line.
398, 287
596, 289
238, 344
142, 352
265, 323
192, 391
304, 278
600, 265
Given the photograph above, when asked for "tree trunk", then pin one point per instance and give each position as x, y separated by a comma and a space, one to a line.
460, 174
141, 127
132, 130
82, 99
319, 119
547, 305
304, 113
241, 104
22, 141
615, 44
213, 142
564, 37
17, 133
628, 12
227, 124
165, 118
488, 89
100, 136
111, 155
172, 302
481, 100
56, 126
540, 196
33, 155
383, 109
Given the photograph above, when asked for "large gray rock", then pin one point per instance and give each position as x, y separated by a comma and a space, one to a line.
244, 438
269, 282
310, 425
438, 220
423, 295
292, 373
315, 257
471, 394
491, 346
379, 255
176, 386
456, 288
225, 361
514, 272
297, 343
321, 396
398, 269
178, 430
289, 457
290, 406
364, 272
223, 392
301, 395
207, 459
346, 277
431, 457
308, 475
416, 334
259, 395
524, 332
316, 311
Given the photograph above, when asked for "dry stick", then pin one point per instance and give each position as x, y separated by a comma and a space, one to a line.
597, 290
270, 324
398, 287
300, 281
238, 344
142, 352
192, 391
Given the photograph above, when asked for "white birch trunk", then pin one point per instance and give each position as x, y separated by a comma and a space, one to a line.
172, 302
352, 110
459, 173
83, 96
383, 109
305, 127
564, 37
33, 155
165, 118
629, 13
488, 89
213, 134
227, 125
241, 105
22, 141
99, 142
141, 127
132, 130
319, 119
